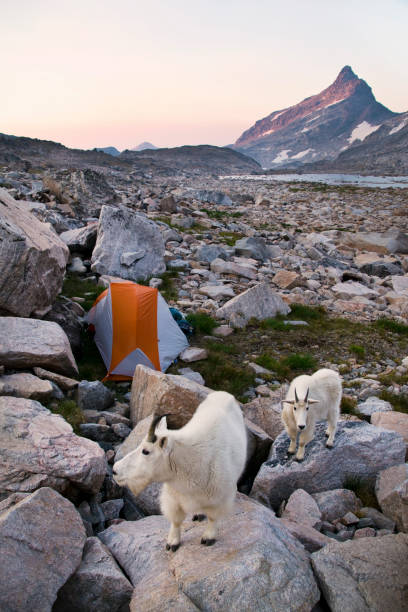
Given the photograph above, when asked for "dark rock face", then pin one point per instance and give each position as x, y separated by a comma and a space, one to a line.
319, 127
98, 585
42, 538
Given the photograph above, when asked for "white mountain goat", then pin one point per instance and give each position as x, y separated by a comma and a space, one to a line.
199, 464
310, 399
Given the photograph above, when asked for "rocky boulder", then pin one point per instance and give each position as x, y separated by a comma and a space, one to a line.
41, 537
38, 448
392, 421
213, 197
28, 386
336, 503
129, 245
25, 343
209, 252
32, 260
93, 395
255, 565
253, 247
364, 575
360, 451
81, 240
260, 302
378, 242
154, 391
266, 414
391, 489
98, 584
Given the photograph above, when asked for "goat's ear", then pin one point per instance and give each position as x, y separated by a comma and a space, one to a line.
312, 401
163, 442
291, 402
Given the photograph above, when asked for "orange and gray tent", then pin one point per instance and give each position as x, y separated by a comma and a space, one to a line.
133, 325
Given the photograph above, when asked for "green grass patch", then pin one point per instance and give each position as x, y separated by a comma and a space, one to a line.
220, 347
363, 489
393, 326
70, 411
357, 349
168, 288
308, 313
230, 238
202, 322
285, 366
74, 286
348, 405
221, 374
300, 361
399, 401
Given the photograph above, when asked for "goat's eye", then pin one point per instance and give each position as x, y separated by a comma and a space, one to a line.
307, 407
145, 451
294, 407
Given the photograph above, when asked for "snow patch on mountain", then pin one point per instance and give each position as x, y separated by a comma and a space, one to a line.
398, 127
282, 156
301, 154
362, 131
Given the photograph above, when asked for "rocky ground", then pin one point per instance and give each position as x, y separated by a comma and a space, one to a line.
277, 280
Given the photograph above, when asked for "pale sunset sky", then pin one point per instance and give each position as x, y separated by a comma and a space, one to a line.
94, 73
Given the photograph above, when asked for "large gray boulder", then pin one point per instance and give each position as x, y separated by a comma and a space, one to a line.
255, 565
129, 245
260, 302
213, 197
32, 260
209, 252
253, 247
98, 584
360, 451
26, 343
364, 575
39, 449
391, 489
93, 395
41, 543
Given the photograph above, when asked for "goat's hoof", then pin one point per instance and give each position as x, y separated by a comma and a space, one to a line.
199, 517
172, 547
299, 459
290, 453
329, 446
208, 541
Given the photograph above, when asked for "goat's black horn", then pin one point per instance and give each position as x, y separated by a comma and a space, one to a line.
296, 397
151, 436
307, 394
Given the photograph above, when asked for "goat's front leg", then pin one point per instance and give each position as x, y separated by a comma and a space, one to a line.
305, 437
331, 430
176, 515
213, 516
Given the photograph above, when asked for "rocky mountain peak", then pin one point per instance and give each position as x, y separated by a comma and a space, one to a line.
318, 127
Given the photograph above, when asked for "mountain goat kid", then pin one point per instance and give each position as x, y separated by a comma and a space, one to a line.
310, 399
199, 465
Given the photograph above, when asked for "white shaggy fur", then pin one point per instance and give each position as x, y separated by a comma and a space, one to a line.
199, 465
318, 398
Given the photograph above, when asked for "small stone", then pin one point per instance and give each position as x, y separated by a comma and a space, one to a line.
349, 519
192, 353
223, 331
366, 532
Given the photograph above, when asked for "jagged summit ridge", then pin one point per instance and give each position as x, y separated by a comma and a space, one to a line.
318, 127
